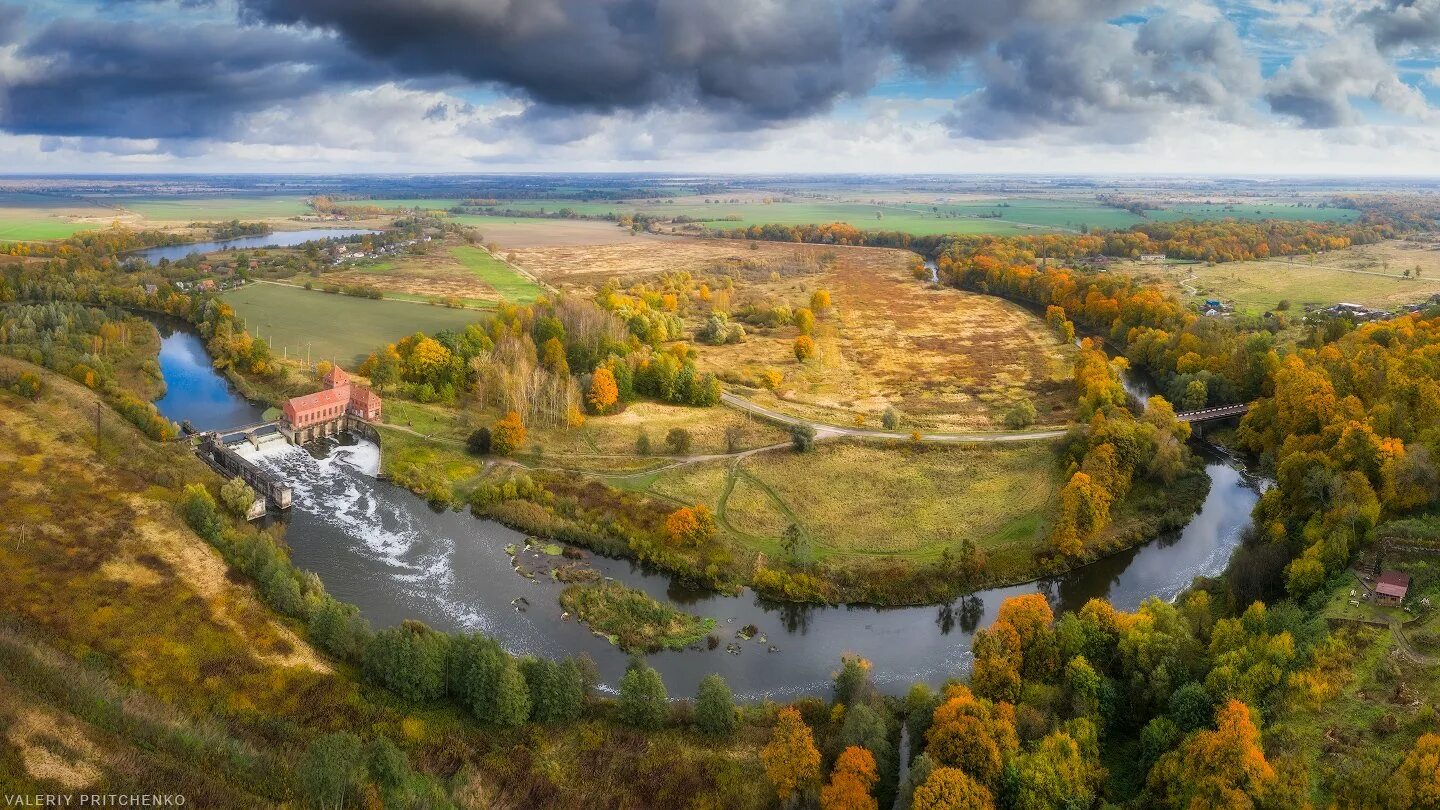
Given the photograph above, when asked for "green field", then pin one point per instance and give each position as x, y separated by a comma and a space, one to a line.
512, 286
44, 216
215, 209
426, 202
1265, 210
335, 326
26, 227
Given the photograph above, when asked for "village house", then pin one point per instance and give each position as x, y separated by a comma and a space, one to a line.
331, 409
1391, 588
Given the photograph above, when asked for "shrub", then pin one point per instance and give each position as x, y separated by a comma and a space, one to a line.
409, 660
715, 707
479, 442
802, 438
678, 440
644, 703
1020, 415
330, 772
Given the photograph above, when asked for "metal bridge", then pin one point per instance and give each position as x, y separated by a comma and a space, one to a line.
1207, 414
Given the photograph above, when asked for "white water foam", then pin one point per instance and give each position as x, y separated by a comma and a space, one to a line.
339, 490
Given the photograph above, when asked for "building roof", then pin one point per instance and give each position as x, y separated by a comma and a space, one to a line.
319, 399
364, 397
336, 377
1393, 583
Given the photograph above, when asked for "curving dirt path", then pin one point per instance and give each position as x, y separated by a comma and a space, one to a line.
826, 431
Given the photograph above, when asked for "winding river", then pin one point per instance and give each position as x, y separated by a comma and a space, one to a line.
386, 550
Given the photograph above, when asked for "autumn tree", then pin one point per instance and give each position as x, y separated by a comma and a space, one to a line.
1224, 767
952, 789
851, 781
507, 435
791, 760
692, 526
820, 300
552, 356
1416, 783
603, 391
804, 321
804, 348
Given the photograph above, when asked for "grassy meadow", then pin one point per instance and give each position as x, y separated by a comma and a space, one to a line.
497, 275
861, 502
1372, 275
341, 327
36, 217
214, 209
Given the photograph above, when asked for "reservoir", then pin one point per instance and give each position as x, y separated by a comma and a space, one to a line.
268, 240
386, 550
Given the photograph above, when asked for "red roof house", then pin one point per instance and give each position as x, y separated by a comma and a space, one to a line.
1391, 588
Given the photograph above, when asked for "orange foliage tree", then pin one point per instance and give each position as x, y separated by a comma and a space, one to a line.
851, 782
604, 392
507, 434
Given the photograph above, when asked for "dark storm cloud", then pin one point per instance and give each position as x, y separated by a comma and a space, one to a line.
759, 58
1113, 83
933, 34
142, 80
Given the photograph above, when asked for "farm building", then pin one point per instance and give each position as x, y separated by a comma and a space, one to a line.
1391, 588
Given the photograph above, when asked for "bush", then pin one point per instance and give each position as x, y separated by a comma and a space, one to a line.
557, 689
715, 707
802, 438
330, 772
237, 496
485, 679
678, 440
479, 442
644, 703
1020, 415
409, 660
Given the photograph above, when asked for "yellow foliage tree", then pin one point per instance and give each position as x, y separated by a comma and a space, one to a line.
952, 789
790, 758
804, 348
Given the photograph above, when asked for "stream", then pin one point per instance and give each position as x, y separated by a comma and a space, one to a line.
386, 550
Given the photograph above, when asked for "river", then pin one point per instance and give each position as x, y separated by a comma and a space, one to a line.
267, 240
386, 550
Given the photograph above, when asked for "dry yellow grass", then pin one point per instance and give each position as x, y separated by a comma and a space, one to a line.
947, 359
96, 555
438, 274
52, 746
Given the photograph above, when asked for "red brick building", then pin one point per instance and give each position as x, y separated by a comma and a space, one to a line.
326, 412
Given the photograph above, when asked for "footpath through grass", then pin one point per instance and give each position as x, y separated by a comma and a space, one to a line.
510, 284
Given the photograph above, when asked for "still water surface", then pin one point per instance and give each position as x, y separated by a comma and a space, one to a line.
276, 239
386, 550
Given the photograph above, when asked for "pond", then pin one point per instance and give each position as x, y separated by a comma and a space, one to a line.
275, 239
386, 550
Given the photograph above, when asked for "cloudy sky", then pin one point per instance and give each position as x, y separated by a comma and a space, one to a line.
1075, 86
